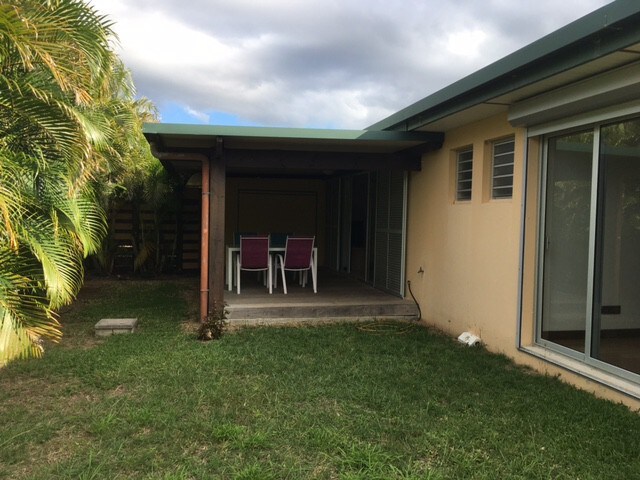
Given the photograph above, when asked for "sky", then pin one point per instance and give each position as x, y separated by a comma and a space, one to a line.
316, 63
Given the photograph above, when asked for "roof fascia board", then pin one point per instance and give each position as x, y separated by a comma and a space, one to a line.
408, 159
319, 161
152, 130
602, 32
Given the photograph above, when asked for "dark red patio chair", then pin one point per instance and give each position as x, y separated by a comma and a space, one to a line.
254, 256
298, 257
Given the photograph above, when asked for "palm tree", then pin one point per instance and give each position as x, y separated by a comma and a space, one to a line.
41, 254
68, 120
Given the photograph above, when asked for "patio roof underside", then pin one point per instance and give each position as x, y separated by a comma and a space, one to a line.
259, 151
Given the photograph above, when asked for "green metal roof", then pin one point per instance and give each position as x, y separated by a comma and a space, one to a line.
602, 32
185, 136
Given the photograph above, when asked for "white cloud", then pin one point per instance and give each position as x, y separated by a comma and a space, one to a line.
344, 63
466, 43
200, 116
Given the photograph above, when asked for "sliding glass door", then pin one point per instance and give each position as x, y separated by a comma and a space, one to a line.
566, 241
616, 317
590, 246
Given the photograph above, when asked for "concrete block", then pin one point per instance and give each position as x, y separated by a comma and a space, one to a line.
113, 326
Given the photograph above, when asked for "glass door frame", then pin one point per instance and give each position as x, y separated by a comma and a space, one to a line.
593, 272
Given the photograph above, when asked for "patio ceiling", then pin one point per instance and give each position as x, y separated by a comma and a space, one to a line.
288, 151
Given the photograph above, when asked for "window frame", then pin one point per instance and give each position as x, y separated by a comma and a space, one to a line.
510, 175
584, 358
464, 194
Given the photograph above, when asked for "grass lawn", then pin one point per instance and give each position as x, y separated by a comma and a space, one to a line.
331, 402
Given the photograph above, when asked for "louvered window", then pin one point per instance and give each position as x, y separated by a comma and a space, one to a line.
464, 174
502, 169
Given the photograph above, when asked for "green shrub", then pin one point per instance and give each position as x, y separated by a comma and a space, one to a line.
215, 324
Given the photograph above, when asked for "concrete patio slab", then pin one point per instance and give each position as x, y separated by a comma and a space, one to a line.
339, 299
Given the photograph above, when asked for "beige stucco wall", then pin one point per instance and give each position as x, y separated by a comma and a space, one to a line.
470, 250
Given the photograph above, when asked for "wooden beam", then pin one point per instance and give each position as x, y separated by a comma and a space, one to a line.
311, 160
217, 180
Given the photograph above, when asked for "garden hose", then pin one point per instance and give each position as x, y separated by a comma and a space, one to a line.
386, 327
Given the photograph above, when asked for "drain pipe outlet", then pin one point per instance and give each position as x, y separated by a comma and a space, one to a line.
469, 339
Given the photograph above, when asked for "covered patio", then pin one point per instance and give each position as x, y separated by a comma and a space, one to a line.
347, 188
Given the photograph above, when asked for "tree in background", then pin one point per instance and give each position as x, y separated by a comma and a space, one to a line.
69, 128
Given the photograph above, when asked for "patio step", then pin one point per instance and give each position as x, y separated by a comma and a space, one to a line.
320, 312
339, 299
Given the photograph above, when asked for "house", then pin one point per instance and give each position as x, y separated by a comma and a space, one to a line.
510, 200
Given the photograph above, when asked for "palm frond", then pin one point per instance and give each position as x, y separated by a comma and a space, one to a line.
39, 120
67, 37
59, 254
25, 317
12, 197
86, 220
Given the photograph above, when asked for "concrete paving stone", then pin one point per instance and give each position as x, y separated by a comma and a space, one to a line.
113, 326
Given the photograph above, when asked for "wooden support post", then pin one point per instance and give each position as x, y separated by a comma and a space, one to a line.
217, 180
204, 241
